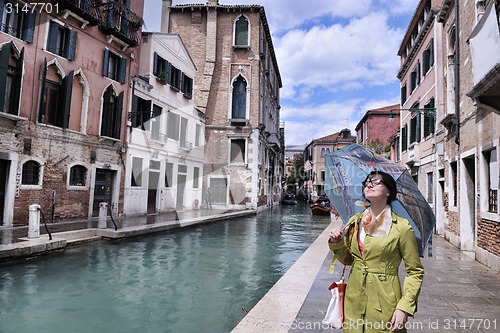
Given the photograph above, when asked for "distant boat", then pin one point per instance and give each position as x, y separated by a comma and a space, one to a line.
321, 206
289, 199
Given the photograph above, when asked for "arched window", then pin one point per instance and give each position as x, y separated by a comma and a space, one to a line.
77, 175
322, 152
327, 151
55, 102
111, 113
31, 173
239, 98
241, 31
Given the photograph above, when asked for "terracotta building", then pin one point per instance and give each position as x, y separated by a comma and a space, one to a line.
64, 77
237, 88
377, 127
467, 163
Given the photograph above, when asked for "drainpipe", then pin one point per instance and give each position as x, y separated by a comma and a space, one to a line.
457, 74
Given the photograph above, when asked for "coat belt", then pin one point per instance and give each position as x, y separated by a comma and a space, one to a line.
365, 270
382, 276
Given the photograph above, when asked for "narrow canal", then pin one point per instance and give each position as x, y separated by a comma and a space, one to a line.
192, 280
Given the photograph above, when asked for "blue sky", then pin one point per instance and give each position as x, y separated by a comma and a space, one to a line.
337, 58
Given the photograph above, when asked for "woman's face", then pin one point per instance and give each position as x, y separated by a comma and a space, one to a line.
375, 189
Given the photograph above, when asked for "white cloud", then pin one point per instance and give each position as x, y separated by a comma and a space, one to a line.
335, 57
361, 53
304, 123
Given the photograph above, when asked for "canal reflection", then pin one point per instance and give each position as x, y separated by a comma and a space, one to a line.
192, 280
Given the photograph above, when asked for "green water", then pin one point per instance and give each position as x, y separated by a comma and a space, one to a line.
192, 280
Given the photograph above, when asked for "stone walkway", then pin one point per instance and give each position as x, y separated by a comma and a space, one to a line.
458, 295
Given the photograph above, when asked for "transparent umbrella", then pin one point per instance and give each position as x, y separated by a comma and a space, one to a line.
346, 168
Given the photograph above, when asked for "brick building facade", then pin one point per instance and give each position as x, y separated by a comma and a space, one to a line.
378, 125
449, 137
470, 170
237, 88
64, 81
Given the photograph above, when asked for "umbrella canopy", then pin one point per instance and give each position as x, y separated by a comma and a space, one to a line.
346, 168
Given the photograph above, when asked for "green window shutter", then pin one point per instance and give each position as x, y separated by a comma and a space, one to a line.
155, 64
4, 65
29, 27
43, 76
122, 71
53, 37
71, 36
418, 128
431, 53
168, 69
181, 81
117, 121
63, 112
106, 112
105, 63
135, 115
404, 138
16, 87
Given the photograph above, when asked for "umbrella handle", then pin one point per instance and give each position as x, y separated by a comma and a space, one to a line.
344, 230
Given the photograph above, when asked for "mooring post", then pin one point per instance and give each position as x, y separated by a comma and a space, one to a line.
103, 215
34, 222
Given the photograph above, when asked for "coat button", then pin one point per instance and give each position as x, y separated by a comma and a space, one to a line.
382, 278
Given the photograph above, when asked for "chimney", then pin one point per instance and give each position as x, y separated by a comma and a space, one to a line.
213, 2
165, 15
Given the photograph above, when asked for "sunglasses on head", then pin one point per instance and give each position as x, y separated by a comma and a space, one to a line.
373, 182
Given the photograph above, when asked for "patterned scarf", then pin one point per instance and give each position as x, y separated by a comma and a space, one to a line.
381, 225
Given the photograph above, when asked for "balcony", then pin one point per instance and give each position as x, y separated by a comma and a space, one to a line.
83, 10
120, 24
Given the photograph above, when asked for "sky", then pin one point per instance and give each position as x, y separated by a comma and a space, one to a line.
337, 58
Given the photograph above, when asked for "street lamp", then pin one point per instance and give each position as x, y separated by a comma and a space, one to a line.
431, 112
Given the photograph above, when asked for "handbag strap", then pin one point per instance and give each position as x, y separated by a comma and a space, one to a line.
348, 248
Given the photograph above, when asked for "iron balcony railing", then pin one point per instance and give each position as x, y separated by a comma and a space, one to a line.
85, 9
119, 21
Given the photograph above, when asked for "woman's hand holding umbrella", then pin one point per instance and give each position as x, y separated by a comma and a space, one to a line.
337, 234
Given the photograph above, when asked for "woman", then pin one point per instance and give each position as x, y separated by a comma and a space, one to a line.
379, 240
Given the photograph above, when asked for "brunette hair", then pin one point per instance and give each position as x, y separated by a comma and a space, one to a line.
388, 181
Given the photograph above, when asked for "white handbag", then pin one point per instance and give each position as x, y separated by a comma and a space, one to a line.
335, 313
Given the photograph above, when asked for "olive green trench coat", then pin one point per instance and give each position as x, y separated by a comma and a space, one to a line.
373, 288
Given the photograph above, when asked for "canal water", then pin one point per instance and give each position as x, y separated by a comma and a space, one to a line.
196, 279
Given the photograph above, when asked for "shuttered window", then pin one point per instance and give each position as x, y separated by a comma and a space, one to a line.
187, 86
61, 41
429, 118
11, 70
55, 103
404, 138
111, 113
114, 66
141, 112
20, 24
161, 69
175, 78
